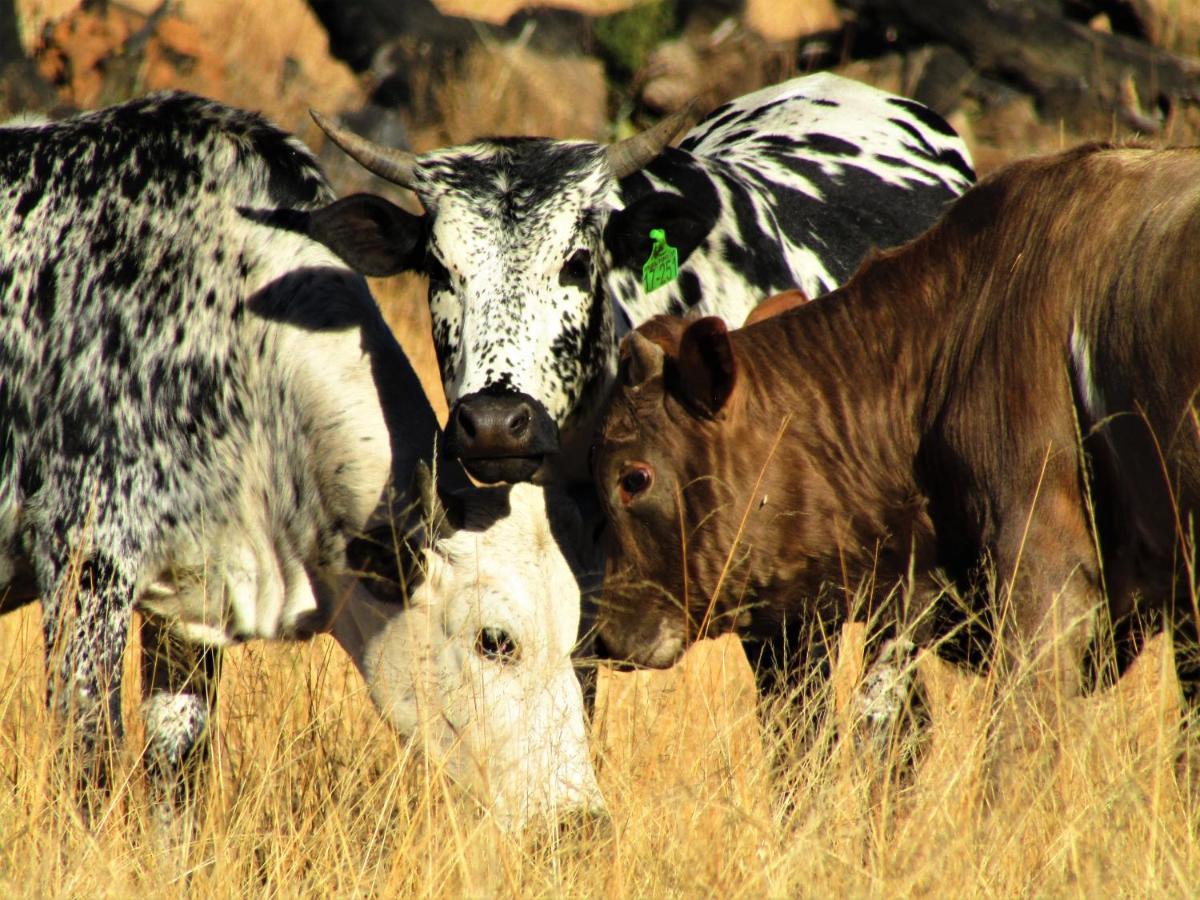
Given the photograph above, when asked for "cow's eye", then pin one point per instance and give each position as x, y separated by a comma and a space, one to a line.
634, 481
577, 270
497, 644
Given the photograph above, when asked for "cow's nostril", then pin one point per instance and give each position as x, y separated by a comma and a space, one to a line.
466, 421
519, 423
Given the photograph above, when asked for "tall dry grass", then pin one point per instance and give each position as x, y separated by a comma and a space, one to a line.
312, 795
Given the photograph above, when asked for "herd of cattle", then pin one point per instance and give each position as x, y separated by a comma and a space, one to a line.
982, 440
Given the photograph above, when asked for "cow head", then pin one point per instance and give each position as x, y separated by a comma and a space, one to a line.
674, 472
475, 666
513, 240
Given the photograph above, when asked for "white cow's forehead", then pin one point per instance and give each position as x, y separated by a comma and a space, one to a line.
518, 588
514, 575
517, 174
505, 218
484, 237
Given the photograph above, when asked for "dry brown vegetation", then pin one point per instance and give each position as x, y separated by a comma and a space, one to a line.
313, 795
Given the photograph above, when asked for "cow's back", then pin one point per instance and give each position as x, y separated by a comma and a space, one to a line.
813, 174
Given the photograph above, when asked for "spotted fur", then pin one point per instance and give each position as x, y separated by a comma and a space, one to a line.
200, 406
139, 274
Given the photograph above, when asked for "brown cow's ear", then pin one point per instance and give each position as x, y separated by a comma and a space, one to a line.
707, 368
645, 358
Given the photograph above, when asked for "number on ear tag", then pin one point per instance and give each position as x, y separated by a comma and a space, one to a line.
662, 266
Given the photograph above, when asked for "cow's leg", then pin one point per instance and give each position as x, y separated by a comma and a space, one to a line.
890, 711
792, 670
1048, 591
1186, 648
180, 682
85, 625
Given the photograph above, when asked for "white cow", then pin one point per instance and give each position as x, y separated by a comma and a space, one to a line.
484, 642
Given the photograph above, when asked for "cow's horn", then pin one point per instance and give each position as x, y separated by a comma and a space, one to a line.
628, 156
397, 166
645, 359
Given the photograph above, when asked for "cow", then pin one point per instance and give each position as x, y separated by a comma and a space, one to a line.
201, 410
986, 433
534, 248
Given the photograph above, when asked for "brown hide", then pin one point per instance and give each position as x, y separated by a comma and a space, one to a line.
927, 412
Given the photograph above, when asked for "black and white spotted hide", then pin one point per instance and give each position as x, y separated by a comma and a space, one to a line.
534, 249
188, 417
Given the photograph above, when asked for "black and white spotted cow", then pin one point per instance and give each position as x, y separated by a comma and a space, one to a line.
200, 406
534, 248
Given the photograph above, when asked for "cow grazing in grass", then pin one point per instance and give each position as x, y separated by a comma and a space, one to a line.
534, 248
200, 407
996, 420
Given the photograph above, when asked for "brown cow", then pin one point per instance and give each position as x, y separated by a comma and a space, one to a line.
1008, 397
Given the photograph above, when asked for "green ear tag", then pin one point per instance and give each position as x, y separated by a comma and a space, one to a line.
663, 264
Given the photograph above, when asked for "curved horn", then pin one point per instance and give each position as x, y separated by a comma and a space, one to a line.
646, 359
628, 156
397, 166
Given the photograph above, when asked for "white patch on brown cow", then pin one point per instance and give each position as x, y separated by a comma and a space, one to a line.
1081, 356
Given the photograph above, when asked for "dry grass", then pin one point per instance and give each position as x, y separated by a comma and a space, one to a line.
312, 795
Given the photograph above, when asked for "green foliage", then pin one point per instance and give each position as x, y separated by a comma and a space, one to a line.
624, 39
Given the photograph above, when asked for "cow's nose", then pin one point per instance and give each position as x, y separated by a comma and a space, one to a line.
501, 437
475, 419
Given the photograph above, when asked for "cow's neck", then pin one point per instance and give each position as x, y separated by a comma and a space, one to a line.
848, 404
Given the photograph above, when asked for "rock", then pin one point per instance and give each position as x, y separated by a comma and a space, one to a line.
497, 12
787, 21
276, 59
1175, 24
938, 76
512, 90
270, 56
675, 74
714, 63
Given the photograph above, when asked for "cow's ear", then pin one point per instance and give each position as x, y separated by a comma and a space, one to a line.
627, 233
372, 235
706, 366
